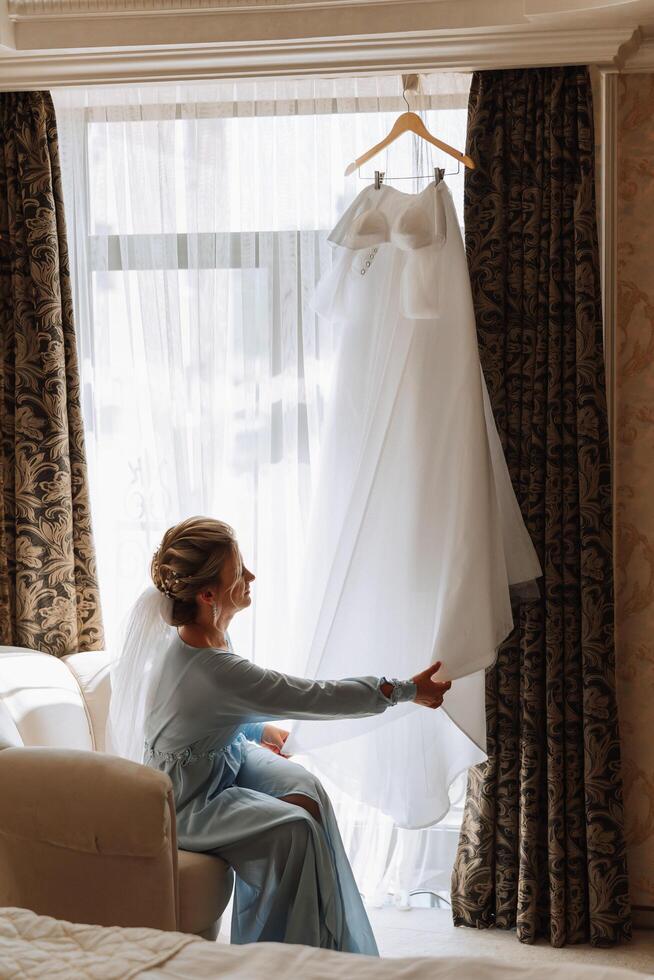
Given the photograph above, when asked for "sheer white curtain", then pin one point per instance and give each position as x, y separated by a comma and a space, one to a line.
197, 220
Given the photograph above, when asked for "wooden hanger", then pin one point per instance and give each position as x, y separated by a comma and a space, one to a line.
409, 122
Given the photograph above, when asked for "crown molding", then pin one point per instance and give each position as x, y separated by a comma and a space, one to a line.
58, 9
53, 25
152, 11
642, 59
7, 32
400, 52
543, 10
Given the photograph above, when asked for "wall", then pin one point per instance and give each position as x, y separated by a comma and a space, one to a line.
634, 472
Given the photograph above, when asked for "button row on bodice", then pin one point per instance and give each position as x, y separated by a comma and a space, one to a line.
368, 261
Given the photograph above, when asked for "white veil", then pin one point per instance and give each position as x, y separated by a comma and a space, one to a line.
146, 633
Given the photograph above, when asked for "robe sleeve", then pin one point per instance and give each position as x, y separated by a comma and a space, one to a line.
254, 731
243, 689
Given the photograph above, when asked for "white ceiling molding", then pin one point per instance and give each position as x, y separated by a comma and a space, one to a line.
529, 8
642, 59
57, 9
412, 51
7, 33
559, 8
47, 25
47, 43
158, 22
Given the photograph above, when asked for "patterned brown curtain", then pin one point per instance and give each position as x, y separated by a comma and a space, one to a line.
48, 588
542, 846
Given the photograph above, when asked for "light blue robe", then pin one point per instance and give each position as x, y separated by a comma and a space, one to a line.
294, 883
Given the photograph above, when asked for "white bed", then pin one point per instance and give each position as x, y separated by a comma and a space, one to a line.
36, 946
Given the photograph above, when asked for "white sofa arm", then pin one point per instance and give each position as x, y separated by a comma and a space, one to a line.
87, 837
9, 734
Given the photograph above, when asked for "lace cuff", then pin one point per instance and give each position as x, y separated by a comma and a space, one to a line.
402, 690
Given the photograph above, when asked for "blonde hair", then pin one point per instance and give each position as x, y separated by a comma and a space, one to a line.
189, 558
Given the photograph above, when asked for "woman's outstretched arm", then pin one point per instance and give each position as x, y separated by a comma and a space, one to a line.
243, 689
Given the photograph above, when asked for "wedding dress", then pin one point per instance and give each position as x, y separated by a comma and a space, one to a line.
415, 534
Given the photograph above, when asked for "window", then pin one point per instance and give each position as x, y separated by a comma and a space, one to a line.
198, 222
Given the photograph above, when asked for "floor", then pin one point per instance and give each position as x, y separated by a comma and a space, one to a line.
429, 932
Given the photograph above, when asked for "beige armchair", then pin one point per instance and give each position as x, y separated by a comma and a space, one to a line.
86, 836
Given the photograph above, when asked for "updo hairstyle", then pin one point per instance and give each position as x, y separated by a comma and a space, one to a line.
190, 558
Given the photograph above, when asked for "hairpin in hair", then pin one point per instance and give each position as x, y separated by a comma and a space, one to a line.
175, 576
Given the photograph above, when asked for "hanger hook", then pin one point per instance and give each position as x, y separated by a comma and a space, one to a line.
410, 83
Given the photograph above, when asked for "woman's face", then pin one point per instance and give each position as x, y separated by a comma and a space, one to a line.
235, 586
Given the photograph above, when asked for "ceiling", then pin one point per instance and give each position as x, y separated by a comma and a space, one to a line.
44, 43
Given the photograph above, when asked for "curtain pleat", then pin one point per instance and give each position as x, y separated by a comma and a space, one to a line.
49, 597
542, 844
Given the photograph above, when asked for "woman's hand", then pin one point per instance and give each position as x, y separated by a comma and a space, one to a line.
429, 692
273, 738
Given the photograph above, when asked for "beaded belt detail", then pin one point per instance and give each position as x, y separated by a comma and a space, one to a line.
184, 756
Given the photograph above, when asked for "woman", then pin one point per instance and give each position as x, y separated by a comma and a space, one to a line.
208, 726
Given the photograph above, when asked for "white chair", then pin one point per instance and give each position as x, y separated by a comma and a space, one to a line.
84, 835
